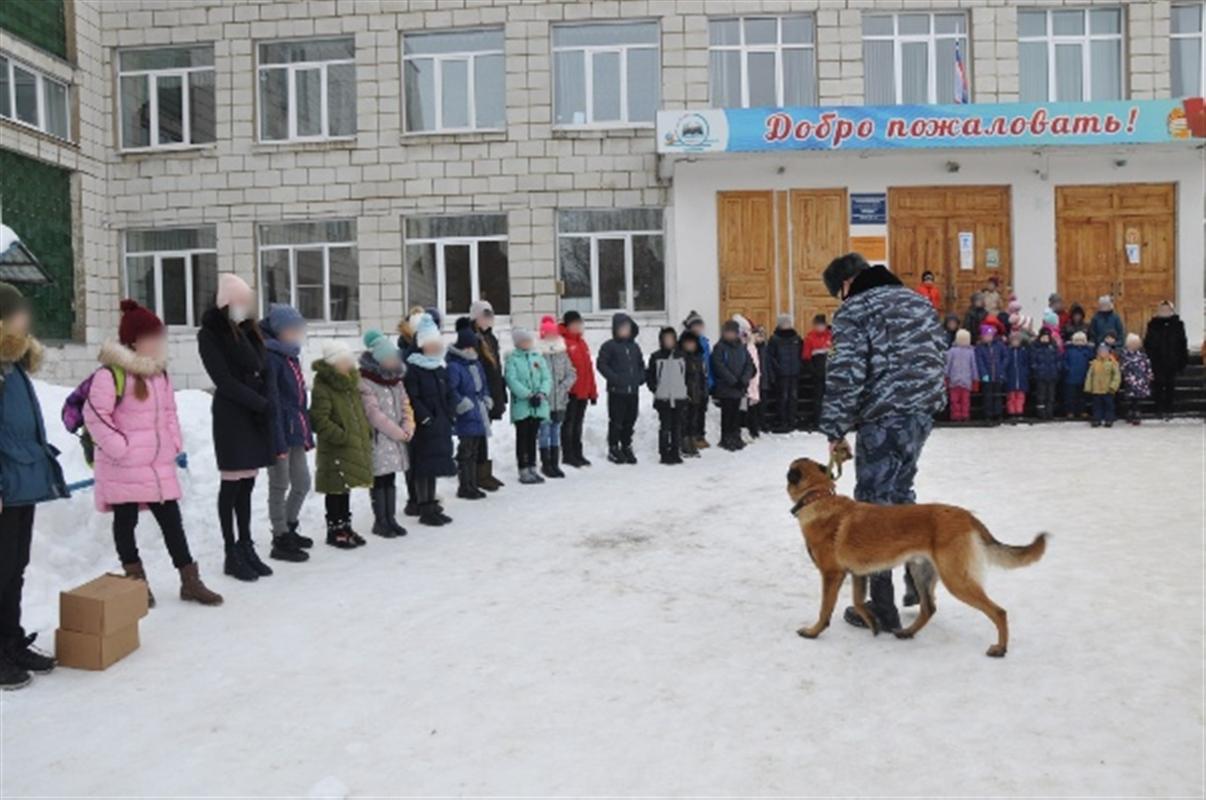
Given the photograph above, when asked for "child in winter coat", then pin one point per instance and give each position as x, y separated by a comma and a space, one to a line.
434, 405
1101, 383
784, 362
733, 370
1052, 326
1017, 375
289, 475
552, 346
29, 474
961, 376
1075, 324
1077, 356
992, 295
929, 290
232, 351
950, 327
345, 448
481, 312
697, 415
753, 392
816, 353
582, 393
975, 317
695, 375
990, 363
531, 382
623, 367
393, 425
1045, 363
758, 411
1137, 376
138, 443
471, 392
666, 377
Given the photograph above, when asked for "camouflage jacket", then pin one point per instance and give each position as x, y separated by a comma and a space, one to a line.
887, 357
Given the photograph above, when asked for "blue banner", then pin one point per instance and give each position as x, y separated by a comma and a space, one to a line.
746, 130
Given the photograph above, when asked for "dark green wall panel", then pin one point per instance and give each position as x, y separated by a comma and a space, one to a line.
42, 23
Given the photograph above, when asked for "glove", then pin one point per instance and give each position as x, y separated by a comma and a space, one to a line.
535, 400
182, 460
558, 416
594, 401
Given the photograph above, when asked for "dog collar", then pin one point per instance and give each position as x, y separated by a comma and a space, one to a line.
810, 497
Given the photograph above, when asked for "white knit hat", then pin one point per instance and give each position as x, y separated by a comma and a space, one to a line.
335, 351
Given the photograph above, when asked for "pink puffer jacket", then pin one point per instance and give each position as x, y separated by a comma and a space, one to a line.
136, 440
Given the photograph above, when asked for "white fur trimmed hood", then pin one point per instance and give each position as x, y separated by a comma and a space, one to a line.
115, 354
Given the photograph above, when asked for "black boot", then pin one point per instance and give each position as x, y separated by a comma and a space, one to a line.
339, 534
20, 653
548, 468
429, 514
615, 455
412, 505
237, 566
629, 456
12, 676
253, 558
391, 510
286, 547
555, 462
303, 542
467, 481
381, 526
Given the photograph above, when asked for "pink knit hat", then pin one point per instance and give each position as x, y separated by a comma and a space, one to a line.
548, 327
232, 289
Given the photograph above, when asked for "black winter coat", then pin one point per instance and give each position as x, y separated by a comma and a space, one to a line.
732, 369
488, 354
1166, 345
242, 429
784, 355
434, 405
697, 378
620, 361
764, 376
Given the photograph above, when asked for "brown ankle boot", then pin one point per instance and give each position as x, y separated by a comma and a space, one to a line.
191, 587
136, 572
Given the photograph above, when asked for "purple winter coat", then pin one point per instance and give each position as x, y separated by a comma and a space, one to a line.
961, 366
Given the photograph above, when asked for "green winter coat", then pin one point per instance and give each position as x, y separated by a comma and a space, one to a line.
345, 446
527, 373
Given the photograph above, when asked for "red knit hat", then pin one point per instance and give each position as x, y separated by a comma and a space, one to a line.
548, 326
136, 322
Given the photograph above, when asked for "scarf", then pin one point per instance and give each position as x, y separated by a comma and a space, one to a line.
424, 361
283, 348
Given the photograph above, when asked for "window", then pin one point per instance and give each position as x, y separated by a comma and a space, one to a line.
911, 58
1070, 55
453, 261
173, 271
167, 97
31, 98
307, 90
611, 260
1188, 50
312, 266
606, 74
455, 80
762, 61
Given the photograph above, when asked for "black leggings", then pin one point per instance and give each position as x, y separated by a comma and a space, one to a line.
526, 432
234, 503
571, 429
339, 507
167, 514
386, 481
425, 487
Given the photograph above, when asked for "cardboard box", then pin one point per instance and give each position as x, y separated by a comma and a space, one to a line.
104, 606
90, 651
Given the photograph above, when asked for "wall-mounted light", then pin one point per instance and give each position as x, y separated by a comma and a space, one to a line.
1119, 163
779, 170
952, 166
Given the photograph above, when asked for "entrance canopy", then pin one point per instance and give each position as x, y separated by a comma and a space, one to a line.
833, 128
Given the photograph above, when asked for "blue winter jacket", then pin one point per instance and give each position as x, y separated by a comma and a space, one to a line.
286, 385
1045, 362
888, 355
1017, 369
29, 467
990, 361
1076, 363
705, 347
1106, 322
471, 392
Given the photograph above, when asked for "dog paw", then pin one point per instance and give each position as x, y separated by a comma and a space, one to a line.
996, 651
808, 632
902, 634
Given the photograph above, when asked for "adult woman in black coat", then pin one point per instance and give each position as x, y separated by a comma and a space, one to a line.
1168, 349
434, 403
234, 356
481, 314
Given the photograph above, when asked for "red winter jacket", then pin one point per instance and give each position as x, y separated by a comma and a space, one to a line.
816, 341
579, 353
931, 292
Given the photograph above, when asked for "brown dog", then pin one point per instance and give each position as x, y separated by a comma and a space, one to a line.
845, 536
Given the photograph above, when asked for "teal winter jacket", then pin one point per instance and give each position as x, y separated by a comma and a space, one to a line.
527, 374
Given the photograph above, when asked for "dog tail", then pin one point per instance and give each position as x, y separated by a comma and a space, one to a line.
1012, 556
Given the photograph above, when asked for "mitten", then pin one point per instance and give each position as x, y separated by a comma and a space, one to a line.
182, 460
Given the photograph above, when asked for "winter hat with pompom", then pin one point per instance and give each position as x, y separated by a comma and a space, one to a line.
232, 289
548, 327
963, 336
334, 351
381, 347
1051, 318
281, 317
136, 322
987, 331
426, 331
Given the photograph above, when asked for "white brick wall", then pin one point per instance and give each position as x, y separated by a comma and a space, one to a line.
528, 172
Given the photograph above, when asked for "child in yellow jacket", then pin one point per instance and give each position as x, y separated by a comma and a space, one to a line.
1101, 384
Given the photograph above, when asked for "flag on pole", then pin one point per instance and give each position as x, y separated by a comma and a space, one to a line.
962, 90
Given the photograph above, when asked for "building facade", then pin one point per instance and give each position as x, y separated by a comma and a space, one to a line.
357, 157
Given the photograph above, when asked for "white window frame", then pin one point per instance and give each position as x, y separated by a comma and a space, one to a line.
1200, 35
159, 256
776, 48
326, 272
40, 80
438, 59
153, 76
292, 68
930, 39
441, 243
626, 236
589, 52
1084, 41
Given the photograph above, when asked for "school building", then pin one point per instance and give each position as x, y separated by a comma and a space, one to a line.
356, 157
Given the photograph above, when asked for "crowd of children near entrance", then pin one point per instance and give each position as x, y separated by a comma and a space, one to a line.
416, 407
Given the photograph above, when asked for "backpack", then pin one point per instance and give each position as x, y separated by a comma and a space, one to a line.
73, 410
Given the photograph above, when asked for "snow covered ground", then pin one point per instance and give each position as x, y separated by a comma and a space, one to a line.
632, 631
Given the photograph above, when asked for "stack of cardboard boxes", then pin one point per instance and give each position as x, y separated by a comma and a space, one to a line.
98, 622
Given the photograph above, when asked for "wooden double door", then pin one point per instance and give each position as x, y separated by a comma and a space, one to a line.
924, 227
773, 247
1117, 239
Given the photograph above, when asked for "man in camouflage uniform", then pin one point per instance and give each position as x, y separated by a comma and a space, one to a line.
884, 380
